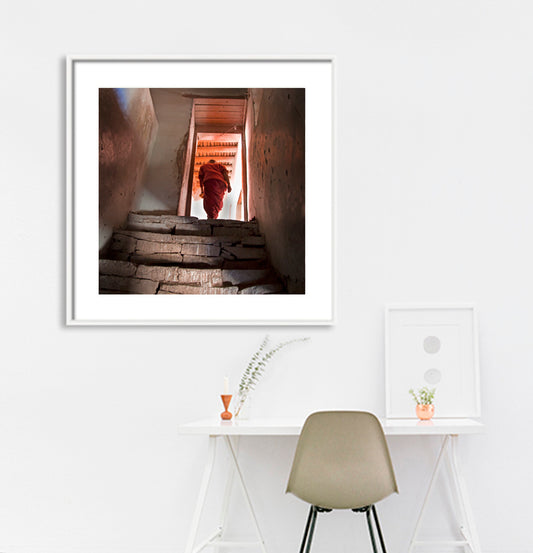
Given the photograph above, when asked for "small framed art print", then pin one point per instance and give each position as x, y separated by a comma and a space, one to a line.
433, 346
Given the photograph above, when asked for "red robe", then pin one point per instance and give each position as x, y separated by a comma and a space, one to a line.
214, 179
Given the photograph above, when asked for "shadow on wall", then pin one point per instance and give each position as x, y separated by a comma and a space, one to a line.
127, 128
164, 174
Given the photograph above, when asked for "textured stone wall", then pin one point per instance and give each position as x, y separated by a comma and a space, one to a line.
127, 128
276, 156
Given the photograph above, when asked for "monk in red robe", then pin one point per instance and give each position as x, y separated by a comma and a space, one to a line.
214, 181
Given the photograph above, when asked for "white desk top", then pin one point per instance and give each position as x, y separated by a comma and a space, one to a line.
292, 427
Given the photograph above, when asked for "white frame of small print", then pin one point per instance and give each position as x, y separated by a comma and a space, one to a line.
85, 75
435, 346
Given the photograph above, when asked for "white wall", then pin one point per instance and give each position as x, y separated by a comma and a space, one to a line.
434, 177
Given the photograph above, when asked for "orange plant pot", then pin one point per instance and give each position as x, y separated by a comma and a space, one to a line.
425, 412
226, 399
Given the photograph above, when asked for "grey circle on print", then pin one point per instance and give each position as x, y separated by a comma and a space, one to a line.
431, 344
432, 376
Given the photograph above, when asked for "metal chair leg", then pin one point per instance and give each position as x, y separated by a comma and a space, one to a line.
371, 532
380, 534
311, 530
306, 531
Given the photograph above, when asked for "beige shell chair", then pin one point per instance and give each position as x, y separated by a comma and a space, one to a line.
342, 462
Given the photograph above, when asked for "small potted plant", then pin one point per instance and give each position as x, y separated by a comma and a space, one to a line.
424, 402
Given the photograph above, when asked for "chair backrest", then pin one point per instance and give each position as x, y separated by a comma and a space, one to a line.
342, 461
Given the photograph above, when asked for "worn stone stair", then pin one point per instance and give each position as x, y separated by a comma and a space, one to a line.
160, 253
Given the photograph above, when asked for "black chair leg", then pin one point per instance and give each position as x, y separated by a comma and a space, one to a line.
370, 531
381, 540
311, 529
306, 532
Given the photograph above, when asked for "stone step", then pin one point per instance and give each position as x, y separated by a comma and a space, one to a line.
242, 252
151, 248
159, 217
156, 273
167, 227
235, 232
154, 212
253, 281
163, 253
184, 238
239, 277
266, 288
127, 285
129, 278
117, 268
175, 224
196, 290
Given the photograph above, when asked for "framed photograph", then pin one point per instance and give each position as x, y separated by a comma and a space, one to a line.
200, 191
433, 346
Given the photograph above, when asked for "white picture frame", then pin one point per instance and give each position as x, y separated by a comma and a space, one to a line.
85, 75
435, 346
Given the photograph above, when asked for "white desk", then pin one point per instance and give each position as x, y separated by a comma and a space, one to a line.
230, 431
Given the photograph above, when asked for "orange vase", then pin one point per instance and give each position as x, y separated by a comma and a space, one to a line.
226, 415
425, 412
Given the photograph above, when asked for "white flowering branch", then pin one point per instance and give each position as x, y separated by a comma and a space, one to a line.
256, 367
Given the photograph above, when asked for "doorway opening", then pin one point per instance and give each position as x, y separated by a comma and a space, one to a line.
224, 148
217, 132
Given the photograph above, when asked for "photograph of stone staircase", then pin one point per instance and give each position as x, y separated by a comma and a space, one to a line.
162, 253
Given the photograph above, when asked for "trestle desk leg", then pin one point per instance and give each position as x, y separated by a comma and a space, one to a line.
465, 507
457, 502
227, 494
428, 493
233, 456
200, 502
